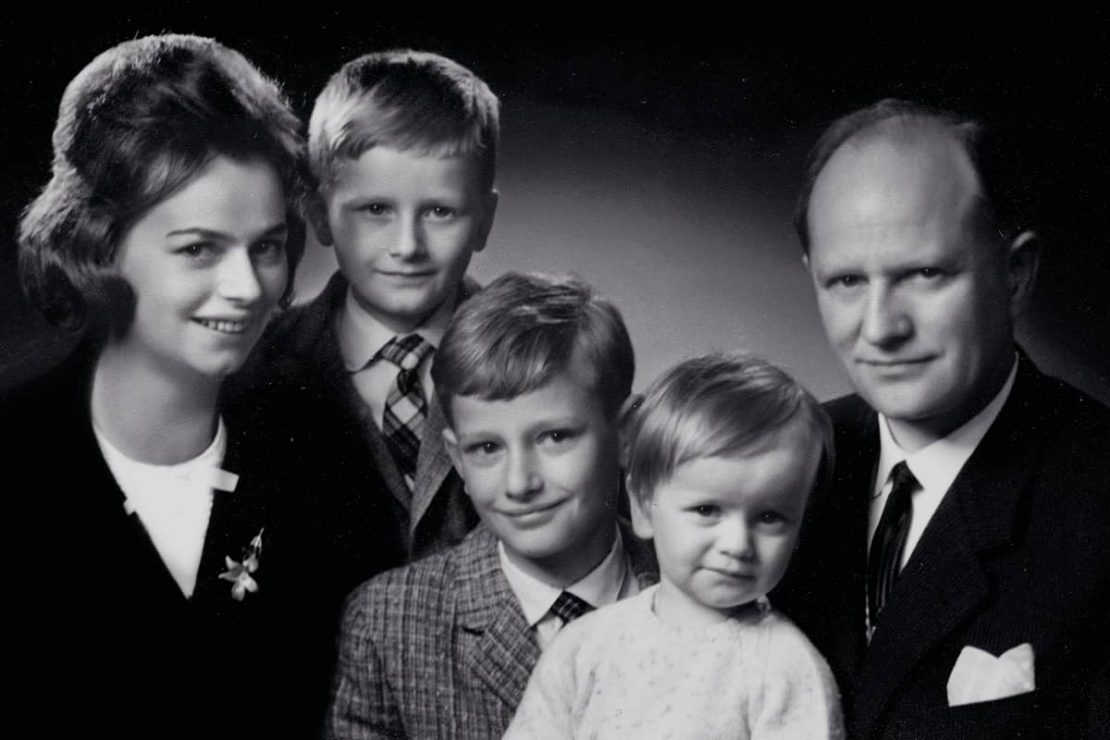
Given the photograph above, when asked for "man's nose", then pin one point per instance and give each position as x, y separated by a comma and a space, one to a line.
885, 321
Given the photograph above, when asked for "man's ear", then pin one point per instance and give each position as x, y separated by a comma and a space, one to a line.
489, 210
451, 444
641, 513
1023, 259
317, 213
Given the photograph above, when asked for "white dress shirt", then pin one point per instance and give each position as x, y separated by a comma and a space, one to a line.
935, 467
610, 581
361, 336
173, 502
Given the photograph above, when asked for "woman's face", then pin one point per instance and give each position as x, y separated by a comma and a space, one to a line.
207, 266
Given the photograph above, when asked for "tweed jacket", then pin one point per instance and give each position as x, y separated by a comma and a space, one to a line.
101, 641
296, 383
441, 648
1017, 553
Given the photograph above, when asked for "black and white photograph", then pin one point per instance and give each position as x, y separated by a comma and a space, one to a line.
347, 358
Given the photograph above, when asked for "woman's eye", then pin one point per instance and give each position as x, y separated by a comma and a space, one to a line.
198, 250
374, 209
270, 250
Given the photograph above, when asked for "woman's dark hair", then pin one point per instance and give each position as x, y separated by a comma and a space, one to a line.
135, 125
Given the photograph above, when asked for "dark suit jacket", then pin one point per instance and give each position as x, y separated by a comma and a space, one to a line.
100, 640
296, 383
1018, 552
440, 649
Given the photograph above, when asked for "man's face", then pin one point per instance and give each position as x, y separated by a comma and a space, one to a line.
404, 226
543, 472
917, 307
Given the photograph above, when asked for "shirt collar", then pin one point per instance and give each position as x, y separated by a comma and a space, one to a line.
361, 335
599, 587
937, 465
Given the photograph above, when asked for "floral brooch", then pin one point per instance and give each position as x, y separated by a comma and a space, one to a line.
241, 573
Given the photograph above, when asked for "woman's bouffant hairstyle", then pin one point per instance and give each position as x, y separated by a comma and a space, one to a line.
134, 126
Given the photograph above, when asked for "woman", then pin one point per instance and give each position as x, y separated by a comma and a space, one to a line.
165, 584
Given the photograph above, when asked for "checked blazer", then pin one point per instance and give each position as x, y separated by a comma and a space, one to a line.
441, 648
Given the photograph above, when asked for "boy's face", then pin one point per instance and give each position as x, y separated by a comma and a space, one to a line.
404, 225
725, 527
543, 472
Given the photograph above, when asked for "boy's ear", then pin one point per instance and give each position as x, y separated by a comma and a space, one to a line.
317, 213
641, 513
489, 210
451, 444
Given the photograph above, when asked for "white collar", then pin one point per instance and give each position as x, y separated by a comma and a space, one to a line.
361, 334
599, 587
937, 465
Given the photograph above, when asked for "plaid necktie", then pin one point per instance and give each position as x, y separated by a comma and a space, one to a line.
569, 607
884, 561
405, 407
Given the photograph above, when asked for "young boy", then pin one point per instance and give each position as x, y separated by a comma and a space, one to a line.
723, 453
532, 375
402, 146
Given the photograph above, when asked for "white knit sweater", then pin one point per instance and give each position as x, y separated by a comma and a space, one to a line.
620, 672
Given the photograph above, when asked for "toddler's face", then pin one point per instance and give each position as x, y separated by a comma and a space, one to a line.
725, 527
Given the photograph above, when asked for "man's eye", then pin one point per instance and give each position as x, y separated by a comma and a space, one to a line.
930, 273
441, 213
844, 281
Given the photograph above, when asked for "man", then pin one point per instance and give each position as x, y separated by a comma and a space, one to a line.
956, 574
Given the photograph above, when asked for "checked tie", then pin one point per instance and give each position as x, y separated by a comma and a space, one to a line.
405, 406
569, 607
885, 559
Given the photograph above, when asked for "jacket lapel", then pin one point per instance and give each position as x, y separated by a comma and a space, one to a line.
839, 553
432, 465
500, 649
318, 347
944, 580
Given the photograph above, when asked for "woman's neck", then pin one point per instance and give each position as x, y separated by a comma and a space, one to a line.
148, 414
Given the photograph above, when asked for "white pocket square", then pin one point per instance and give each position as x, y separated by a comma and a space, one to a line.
978, 676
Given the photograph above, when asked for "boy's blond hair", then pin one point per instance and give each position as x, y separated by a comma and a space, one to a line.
714, 405
410, 100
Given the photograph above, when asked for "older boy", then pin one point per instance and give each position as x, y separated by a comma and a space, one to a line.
402, 145
532, 375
